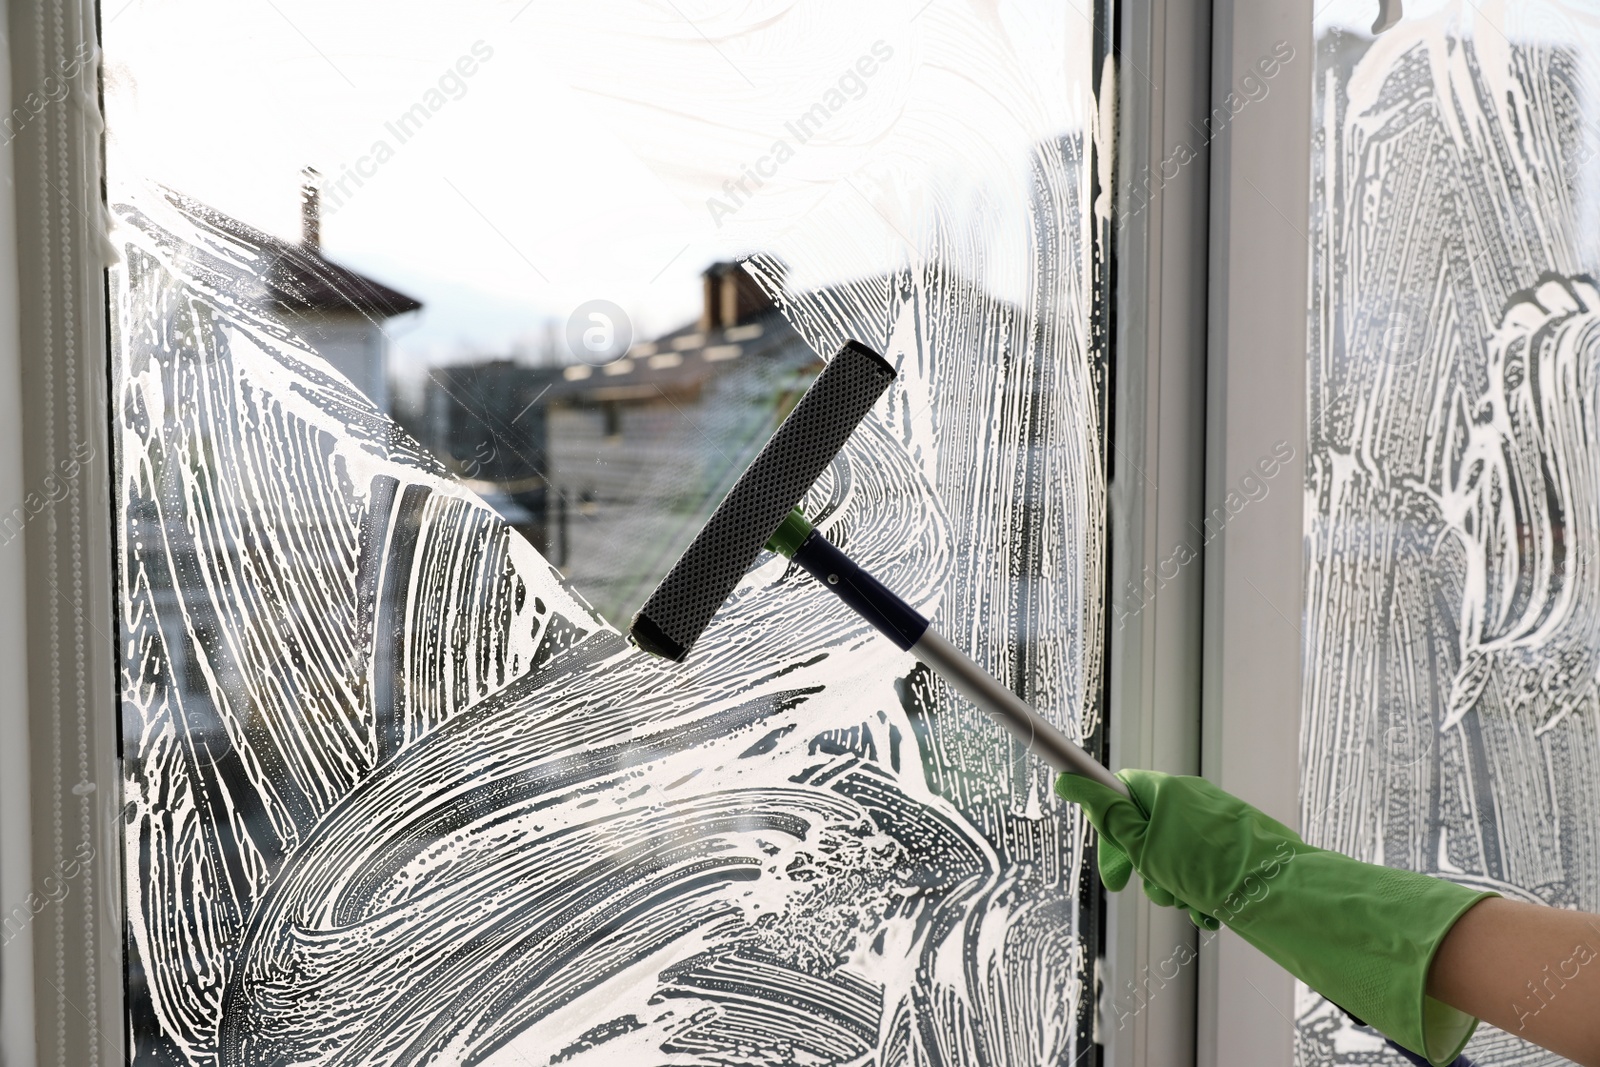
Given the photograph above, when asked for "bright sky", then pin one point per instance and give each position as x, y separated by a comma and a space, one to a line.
576, 160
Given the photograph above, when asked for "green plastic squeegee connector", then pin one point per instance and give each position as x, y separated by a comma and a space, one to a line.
790, 534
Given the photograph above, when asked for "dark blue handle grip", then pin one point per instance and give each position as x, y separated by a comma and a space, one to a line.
870, 598
1412, 1057
1407, 1054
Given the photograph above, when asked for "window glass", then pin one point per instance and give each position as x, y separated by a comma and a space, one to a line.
1453, 595
437, 330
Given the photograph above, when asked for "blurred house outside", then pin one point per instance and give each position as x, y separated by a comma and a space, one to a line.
337, 311
610, 469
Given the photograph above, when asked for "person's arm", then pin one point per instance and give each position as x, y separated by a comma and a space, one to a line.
1417, 958
1530, 970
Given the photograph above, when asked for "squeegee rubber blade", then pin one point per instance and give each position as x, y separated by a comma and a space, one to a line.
672, 619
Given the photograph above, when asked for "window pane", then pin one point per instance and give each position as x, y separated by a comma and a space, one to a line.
1452, 596
405, 437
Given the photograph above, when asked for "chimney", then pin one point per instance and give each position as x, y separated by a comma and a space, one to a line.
731, 296
742, 297
711, 298
311, 208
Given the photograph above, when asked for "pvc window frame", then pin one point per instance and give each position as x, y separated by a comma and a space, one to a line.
1204, 664
61, 967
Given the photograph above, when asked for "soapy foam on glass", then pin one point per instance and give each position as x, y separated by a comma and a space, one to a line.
1453, 497
397, 795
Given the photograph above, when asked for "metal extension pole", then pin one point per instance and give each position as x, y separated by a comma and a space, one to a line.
974, 683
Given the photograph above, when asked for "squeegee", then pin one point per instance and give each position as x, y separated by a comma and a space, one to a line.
761, 511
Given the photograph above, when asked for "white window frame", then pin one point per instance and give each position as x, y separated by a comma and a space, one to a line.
62, 972
1255, 571
1211, 341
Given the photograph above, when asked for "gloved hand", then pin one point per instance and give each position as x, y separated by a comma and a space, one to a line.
1361, 935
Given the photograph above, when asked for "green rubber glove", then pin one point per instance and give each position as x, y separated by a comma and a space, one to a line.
1361, 935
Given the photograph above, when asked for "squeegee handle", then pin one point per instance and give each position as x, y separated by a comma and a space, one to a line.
906, 627
1027, 725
